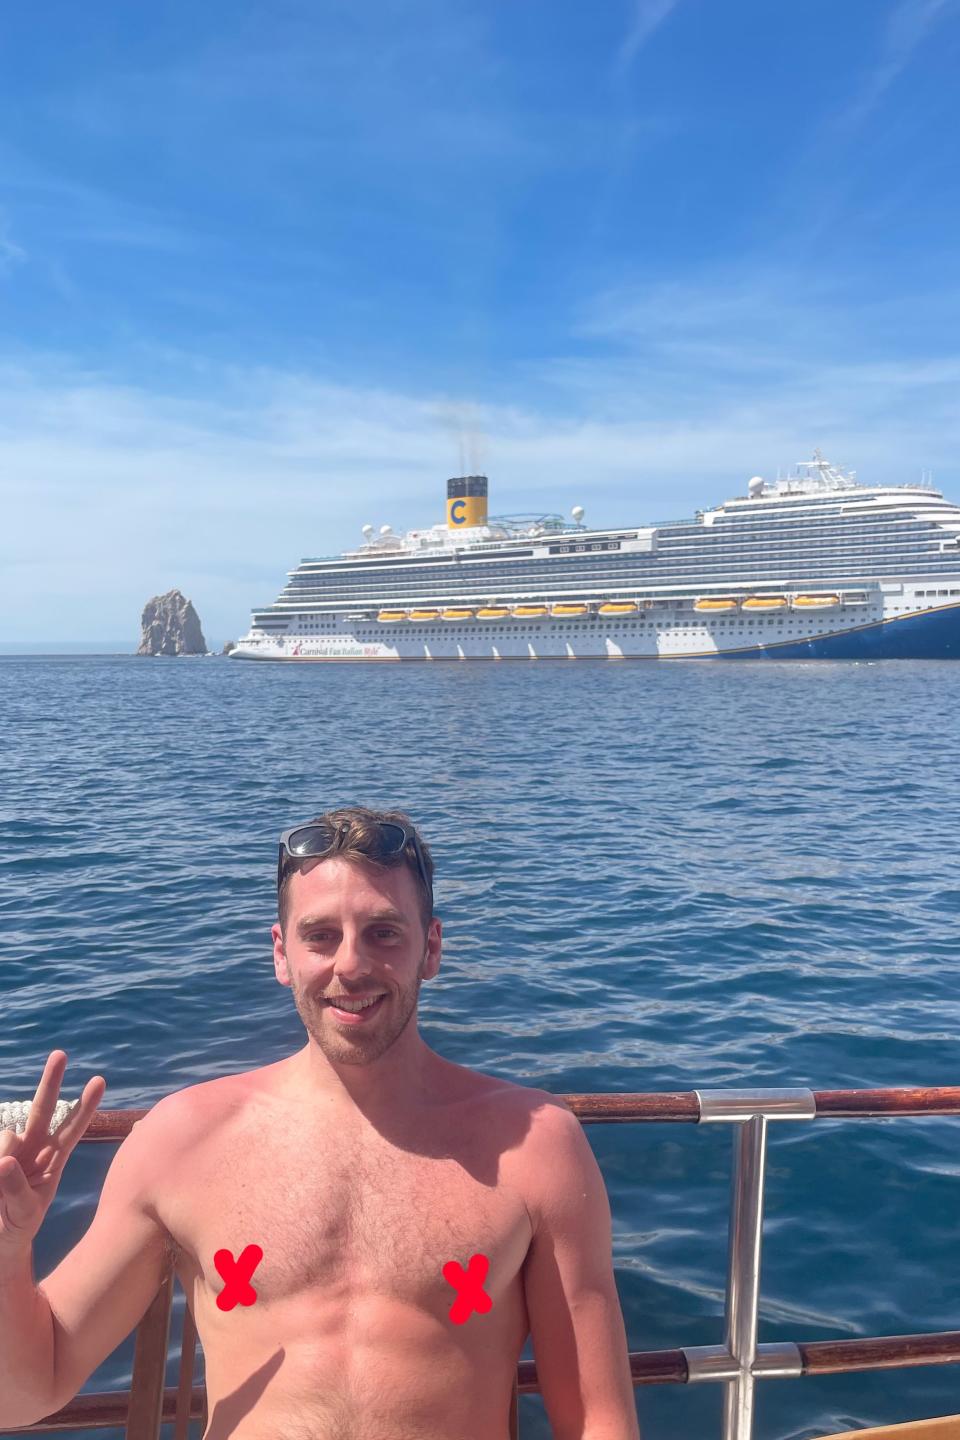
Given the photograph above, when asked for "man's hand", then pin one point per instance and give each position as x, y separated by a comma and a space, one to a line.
31, 1164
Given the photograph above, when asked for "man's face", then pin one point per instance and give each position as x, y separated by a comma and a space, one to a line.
354, 931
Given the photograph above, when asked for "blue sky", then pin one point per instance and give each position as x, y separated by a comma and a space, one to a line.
269, 272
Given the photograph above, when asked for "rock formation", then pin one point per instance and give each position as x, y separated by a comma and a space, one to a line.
230, 645
170, 626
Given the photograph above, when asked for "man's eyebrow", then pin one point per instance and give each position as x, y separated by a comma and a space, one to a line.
313, 922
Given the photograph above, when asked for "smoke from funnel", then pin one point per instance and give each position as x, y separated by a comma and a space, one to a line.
464, 420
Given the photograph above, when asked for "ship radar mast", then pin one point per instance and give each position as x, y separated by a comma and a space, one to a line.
810, 477
821, 475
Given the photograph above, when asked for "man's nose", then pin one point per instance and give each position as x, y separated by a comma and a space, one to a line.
351, 960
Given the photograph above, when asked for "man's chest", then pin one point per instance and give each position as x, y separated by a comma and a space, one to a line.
342, 1225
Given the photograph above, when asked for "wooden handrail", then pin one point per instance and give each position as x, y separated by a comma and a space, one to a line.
647, 1367
109, 1408
886, 1352
668, 1107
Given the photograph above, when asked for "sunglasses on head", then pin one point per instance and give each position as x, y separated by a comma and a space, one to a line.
321, 838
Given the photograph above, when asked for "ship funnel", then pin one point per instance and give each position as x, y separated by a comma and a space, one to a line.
466, 501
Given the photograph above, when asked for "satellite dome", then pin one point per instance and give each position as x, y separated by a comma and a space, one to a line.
386, 529
755, 487
367, 531
577, 513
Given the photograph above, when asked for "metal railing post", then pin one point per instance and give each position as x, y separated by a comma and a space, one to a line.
743, 1274
738, 1361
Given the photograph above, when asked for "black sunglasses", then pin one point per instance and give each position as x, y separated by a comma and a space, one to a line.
322, 838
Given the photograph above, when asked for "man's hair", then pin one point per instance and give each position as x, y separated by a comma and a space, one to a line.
356, 825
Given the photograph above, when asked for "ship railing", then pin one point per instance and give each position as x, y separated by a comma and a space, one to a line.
738, 1364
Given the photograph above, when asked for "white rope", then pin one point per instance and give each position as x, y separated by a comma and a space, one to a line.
14, 1114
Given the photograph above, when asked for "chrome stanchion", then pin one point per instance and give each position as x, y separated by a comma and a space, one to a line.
738, 1364
743, 1274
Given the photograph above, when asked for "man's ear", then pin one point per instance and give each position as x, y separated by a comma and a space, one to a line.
279, 956
433, 948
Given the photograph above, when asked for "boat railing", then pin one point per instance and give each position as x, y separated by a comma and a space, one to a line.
738, 1364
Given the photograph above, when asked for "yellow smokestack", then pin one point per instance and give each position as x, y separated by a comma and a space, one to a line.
466, 501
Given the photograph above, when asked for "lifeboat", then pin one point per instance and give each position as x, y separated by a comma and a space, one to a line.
618, 607
765, 602
392, 615
424, 614
568, 610
718, 602
458, 614
815, 602
528, 612
494, 612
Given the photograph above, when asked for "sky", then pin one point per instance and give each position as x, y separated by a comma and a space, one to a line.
270, 272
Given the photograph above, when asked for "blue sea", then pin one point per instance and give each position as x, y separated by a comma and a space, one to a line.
651, 877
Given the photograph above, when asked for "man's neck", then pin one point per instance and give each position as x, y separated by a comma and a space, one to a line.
371, 1094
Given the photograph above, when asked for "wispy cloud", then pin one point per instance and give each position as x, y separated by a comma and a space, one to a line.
10, 253
908, 25
648, 15
63, 207
760, 311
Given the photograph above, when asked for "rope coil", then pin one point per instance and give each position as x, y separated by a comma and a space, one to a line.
14, 1114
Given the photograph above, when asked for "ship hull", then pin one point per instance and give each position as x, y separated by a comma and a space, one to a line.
931, 635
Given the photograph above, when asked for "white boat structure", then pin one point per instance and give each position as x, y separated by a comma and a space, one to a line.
817, 566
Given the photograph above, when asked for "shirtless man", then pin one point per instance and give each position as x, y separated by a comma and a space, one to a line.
367, 1171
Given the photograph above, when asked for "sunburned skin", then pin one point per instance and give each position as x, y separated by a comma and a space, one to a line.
468, 1283
357, 1280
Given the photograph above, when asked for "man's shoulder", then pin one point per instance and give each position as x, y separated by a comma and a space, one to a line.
495, 1087
539, 1101
530, 1115
531, 1095
184, 1114
172, 1130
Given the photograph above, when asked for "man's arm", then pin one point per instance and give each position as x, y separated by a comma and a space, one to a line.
26, 1354
100, 1291
576, 1324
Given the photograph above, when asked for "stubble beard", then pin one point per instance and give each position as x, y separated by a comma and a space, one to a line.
338, 1043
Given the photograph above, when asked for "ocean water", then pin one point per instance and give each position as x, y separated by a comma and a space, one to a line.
650, 878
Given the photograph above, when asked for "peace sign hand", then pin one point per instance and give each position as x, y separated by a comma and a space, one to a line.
31, 1164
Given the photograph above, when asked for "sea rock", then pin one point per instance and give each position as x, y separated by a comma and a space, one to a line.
170, 626
230, 645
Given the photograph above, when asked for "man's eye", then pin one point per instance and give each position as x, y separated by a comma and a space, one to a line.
386, 934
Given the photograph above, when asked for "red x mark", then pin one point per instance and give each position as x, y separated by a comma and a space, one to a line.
469, 1287
238, 1290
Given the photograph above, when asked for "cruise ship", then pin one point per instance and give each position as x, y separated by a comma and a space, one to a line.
815, 566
